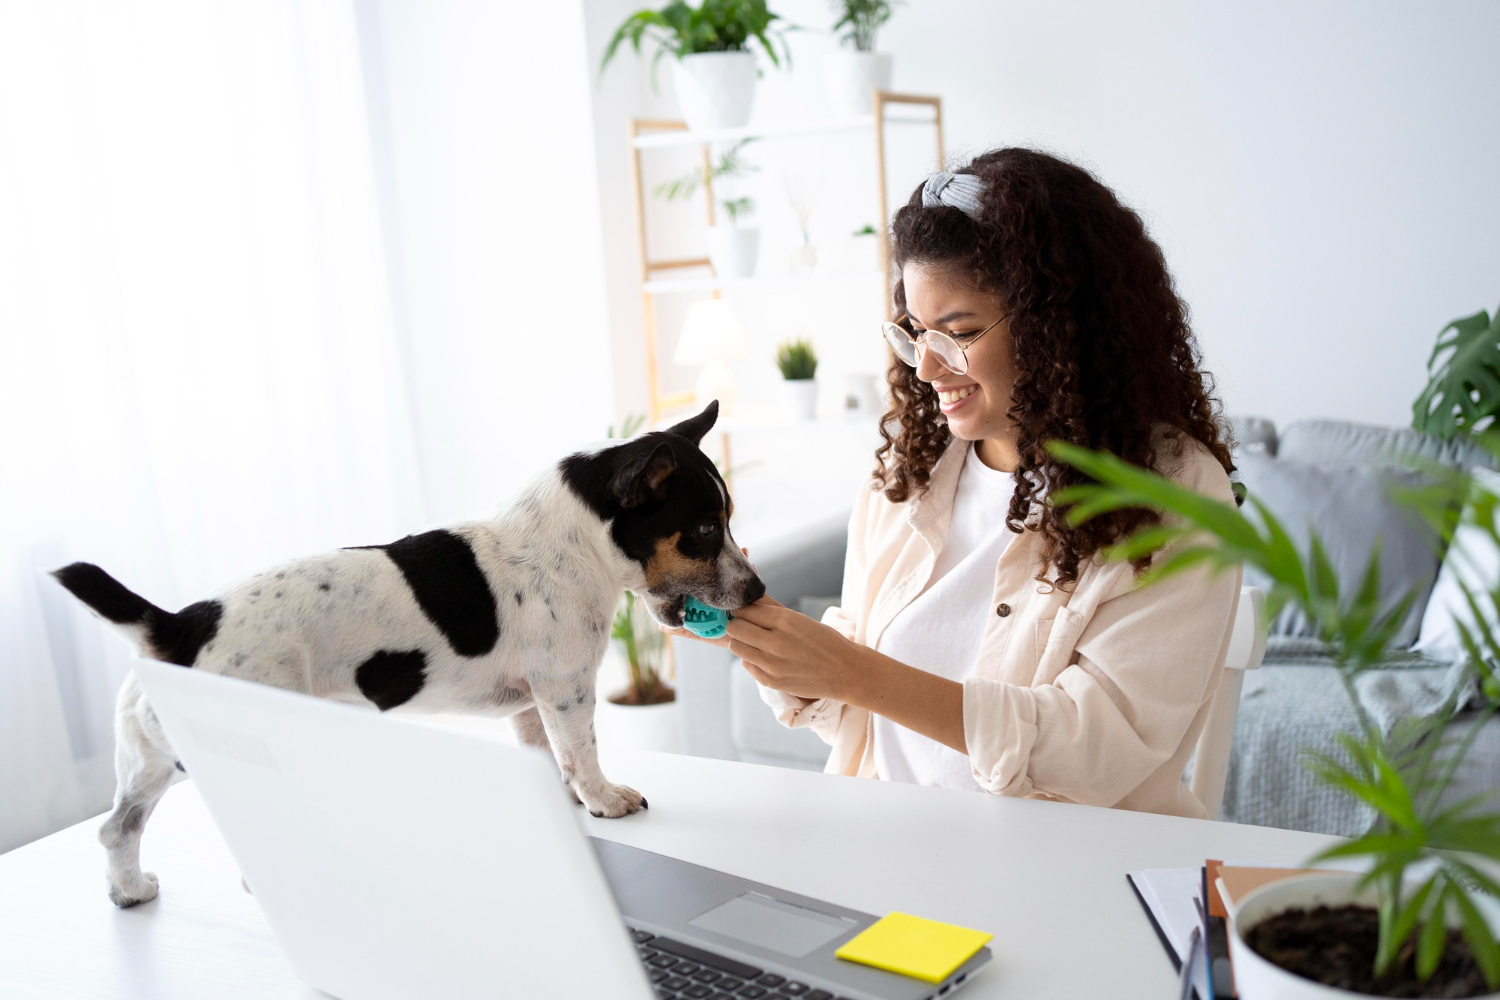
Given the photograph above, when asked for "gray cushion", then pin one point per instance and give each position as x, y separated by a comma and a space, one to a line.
1341, 442
1350, 508
809, 561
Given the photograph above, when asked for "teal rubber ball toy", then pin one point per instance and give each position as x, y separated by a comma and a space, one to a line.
704, 620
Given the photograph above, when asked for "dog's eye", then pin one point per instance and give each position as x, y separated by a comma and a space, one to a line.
707, 528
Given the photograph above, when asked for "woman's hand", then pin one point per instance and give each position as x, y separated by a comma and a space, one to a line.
791, 652
788, 651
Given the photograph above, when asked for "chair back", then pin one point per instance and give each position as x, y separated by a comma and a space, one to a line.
1247, 647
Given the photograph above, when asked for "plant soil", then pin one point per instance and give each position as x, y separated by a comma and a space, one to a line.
659, 694
1335, 945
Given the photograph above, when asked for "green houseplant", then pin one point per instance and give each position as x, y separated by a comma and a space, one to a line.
732, 247
855, 71
714, 67
860, 20
1463, 388
798, 362
1427, 863
639, 643
643, 647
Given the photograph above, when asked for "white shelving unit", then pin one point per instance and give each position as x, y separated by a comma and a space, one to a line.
665, 286
827, 126
659, 276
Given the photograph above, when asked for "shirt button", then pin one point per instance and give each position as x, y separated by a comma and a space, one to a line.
1003, 610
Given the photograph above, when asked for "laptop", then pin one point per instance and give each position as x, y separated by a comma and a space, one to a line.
398, 860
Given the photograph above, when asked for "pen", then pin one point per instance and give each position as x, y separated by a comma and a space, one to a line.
1185, 987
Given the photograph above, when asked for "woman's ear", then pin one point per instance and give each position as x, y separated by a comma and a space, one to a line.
644, 478
694, 428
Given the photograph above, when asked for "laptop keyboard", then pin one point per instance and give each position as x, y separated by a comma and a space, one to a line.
683, 972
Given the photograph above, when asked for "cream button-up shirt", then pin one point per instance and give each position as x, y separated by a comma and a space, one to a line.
1095, 694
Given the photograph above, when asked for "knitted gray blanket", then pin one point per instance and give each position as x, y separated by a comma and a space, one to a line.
1295, 700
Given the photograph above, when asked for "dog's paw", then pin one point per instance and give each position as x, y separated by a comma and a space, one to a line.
613, 801
141, 890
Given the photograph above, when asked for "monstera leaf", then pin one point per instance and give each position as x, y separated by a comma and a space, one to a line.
1463, 388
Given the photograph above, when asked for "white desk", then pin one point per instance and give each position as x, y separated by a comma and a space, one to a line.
1047, 879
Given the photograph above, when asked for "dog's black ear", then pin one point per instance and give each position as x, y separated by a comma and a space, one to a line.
644, 477
693, 428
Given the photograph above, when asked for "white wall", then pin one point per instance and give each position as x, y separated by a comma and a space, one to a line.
1321, 174
482, 118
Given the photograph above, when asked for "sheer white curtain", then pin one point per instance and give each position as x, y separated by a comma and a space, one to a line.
199, 373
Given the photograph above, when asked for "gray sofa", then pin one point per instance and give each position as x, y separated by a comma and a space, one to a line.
1332, 475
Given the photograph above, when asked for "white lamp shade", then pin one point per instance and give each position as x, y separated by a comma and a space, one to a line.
711, 332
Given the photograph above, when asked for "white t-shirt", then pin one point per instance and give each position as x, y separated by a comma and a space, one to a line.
940, 631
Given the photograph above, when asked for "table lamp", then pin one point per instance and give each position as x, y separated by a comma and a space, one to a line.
711, 336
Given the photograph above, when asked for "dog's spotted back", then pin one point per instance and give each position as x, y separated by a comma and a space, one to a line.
504, 617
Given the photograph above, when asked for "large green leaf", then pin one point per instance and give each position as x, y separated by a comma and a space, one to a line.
1463, 388
1389, 772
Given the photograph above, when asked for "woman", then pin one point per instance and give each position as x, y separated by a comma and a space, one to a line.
982, 643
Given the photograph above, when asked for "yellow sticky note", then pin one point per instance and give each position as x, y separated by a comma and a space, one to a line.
914, 946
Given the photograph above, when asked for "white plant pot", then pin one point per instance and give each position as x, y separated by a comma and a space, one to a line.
801, 397
853, 78
639, 727
860, 387
1257, 979
715, 89
733, 250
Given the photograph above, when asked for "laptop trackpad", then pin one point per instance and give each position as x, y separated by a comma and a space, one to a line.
769, 923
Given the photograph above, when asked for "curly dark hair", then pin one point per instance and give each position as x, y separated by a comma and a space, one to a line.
1104, 355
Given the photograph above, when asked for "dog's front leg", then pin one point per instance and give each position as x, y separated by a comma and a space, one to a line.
531, 733
567, 713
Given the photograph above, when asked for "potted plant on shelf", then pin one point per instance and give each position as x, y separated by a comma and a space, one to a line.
714, 69
799, 364
642, 715
733, 248
1421, 919
856, 70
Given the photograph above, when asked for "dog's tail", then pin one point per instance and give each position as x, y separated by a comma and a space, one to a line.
159, 634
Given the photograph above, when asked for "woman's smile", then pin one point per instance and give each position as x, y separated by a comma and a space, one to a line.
953, 399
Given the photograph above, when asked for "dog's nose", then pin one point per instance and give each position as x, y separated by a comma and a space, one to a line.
754, 590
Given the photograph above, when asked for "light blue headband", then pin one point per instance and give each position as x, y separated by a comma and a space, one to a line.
961, 191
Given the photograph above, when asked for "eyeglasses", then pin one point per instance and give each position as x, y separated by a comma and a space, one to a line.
911, 345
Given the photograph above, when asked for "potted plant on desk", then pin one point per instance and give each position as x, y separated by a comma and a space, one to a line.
714, 69
799, 364
642, 715
1422, 919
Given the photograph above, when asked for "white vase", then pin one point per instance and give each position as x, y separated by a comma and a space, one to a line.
715, 89
1255, 978
638, 727
853, 78
733, 250
801, 397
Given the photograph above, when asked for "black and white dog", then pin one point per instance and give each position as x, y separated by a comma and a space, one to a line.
505, 617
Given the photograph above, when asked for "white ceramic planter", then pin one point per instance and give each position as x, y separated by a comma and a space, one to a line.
715, 89
861, 388
853, 78
639, 727
733, 250
1257, 979
801, 397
